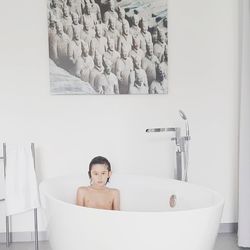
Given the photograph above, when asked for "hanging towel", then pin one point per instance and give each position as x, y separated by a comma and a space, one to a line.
21, 184
2, 181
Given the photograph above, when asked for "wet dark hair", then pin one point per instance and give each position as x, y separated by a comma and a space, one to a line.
99, 160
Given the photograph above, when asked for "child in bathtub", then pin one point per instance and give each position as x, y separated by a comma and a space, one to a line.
97, 195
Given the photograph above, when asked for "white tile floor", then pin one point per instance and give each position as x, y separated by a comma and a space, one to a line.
224, 242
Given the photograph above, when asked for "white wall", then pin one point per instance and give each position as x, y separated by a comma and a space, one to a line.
69, 130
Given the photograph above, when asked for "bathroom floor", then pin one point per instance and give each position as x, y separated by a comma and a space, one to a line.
224, 242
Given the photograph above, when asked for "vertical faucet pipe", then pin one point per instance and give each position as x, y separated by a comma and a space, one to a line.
186, 145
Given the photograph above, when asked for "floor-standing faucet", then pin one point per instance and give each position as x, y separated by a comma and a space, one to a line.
182, 147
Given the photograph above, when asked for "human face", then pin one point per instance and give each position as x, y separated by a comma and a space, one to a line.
161, 36
144, 27
161, 72
111, 45
98, 31
85, 49
99, 61
54, 2
139, 79
135, 20
86, 25
112, 5
88, 8
121, 14
150, 50
137, 62
124, 53
66, 12
99, 175
125, 29
75, 19
77, 35
136, 43
59, 28
108, 69
112, 23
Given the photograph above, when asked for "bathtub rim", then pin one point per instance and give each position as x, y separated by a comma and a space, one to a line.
220, 200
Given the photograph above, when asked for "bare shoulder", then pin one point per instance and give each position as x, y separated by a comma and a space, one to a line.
82, 190
81, 195
114, 191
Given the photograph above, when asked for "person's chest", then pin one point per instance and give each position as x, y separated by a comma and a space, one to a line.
99, 200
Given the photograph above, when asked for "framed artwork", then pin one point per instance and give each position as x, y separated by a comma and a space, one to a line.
108, 46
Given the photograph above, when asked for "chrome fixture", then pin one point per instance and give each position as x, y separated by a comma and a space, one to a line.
182, 147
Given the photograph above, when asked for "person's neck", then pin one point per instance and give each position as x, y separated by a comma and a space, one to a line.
99, 188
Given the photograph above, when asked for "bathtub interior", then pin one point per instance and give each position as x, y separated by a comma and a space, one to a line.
138, 193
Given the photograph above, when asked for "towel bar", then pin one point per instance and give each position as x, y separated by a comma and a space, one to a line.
8, 234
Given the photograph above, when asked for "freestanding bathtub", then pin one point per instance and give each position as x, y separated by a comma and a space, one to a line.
146, 221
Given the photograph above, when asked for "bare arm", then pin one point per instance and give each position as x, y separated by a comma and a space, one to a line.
80, 196
116, 202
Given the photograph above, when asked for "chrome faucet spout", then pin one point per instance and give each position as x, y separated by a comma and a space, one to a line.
153, 130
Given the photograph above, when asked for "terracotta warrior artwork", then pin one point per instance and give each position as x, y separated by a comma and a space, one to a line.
108, 47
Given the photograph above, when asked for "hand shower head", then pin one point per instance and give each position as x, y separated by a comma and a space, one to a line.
182, 114
184, 117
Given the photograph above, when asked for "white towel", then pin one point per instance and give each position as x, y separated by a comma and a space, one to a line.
2, 181
21, 183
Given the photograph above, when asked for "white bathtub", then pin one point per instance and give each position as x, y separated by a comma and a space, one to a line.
146, 222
